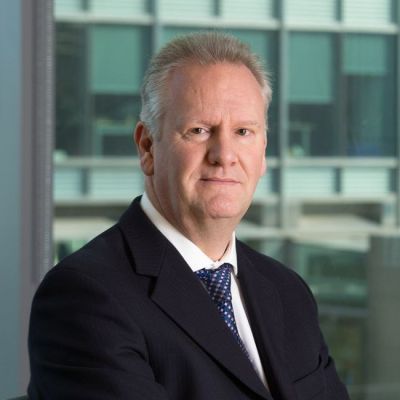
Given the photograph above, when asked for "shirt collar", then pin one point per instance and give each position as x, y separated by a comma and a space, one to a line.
194, 257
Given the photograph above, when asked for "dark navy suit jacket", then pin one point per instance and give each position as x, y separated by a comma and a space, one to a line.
126, 318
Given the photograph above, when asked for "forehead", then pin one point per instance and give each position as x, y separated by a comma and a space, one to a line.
215, 88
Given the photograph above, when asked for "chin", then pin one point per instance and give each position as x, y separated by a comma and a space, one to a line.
223, 208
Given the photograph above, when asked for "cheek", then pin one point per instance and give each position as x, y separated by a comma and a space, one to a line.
186, 162
173, 169
255, 164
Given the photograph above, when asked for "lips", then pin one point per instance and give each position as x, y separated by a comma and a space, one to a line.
220, 180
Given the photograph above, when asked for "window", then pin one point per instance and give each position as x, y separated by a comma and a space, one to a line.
312, 83
330, 194
369, 95
342, 102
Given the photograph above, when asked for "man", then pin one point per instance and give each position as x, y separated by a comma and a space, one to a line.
167, 304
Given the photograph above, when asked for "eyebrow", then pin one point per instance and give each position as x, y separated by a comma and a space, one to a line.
254, 123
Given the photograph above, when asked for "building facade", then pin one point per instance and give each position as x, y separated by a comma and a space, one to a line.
329, 205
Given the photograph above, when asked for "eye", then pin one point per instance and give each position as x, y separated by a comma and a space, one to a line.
198, 131
243, 132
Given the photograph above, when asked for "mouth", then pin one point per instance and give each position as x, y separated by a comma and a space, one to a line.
220, 181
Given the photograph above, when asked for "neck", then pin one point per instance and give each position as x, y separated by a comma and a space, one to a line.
212, 239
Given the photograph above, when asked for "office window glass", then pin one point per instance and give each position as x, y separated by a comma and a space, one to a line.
312, 82
368, 64
71, 108
97, 111
115, 86
337, 277
338, 213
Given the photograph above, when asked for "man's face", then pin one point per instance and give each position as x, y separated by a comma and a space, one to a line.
211, 152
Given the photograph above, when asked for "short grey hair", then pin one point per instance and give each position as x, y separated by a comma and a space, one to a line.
204, 48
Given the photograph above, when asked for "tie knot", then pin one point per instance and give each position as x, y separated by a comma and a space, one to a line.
218, 278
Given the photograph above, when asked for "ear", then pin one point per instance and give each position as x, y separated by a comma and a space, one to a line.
144, 144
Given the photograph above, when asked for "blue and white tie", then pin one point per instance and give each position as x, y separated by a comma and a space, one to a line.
218, 284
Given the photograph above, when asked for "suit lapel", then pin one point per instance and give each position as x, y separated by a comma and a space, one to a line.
266, 319
179, 293
192, 309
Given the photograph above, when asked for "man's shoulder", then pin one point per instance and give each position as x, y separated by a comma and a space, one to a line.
97, 251
103, 259
109, 251
285, 280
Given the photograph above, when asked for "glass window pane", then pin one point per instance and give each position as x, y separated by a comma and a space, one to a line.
311, 69
311, 94
115, 86
97, 111
108, 43
342, 102
369, 94
337, 275
71, 94
115, 116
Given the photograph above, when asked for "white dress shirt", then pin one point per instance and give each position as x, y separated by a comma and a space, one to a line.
197, 260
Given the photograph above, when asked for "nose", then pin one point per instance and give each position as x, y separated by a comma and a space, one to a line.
222, 149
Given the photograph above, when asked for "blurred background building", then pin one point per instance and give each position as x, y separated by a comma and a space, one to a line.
329, 205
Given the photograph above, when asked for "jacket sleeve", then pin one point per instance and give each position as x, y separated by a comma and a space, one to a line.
83, 345
324, 382
335, 388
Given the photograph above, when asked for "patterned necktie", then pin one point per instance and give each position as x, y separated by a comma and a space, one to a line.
218, 284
